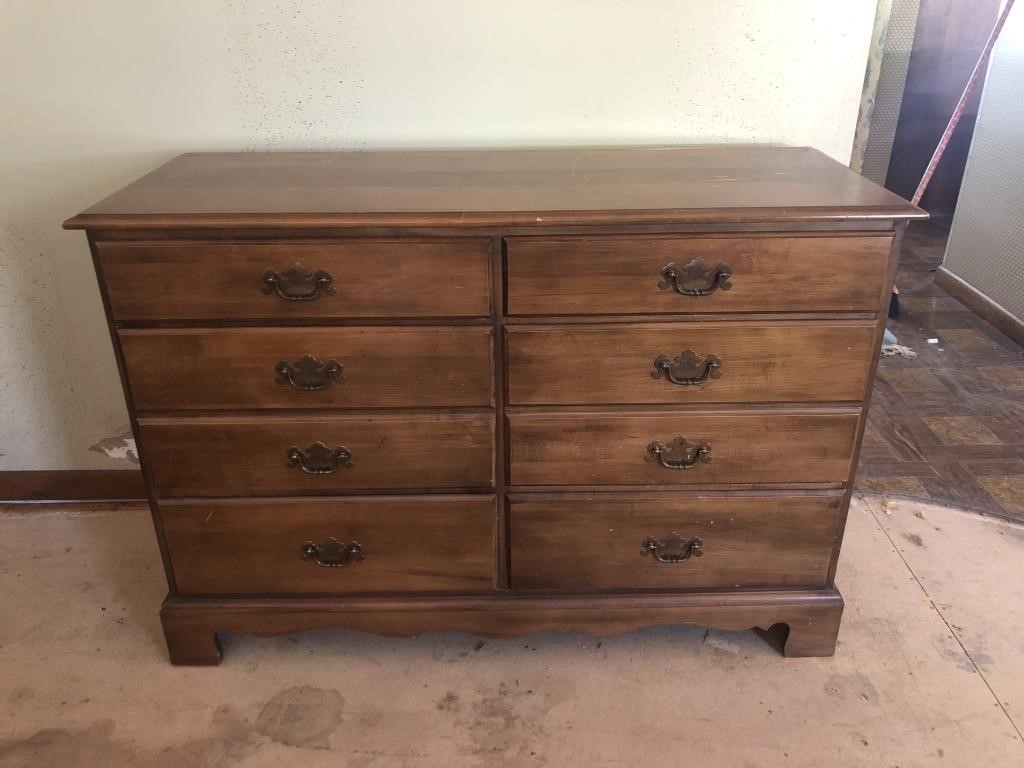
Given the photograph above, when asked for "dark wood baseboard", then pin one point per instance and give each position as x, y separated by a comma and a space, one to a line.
980, 304
73, 485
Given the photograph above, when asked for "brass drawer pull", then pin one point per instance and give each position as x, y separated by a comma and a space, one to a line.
680, 453
309, 374
332, 553
696, 278
687, 369
296, 284
318, 459
673, 548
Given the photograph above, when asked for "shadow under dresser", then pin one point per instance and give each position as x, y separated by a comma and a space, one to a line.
498, 391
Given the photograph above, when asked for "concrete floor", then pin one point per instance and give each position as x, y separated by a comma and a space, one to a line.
929, 670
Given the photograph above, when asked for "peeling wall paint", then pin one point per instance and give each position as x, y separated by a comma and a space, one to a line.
106, 91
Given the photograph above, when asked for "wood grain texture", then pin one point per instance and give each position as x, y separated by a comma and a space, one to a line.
608, 274
409, 544
72, 485
808, 619
596, 542
610, 448
884, 302
178, 280
383, 367
501, 550
475, 188
245, 456
498, 315
760, 362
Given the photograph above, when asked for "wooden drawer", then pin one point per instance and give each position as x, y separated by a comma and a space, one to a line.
368, 278
648, 543
613, 275
605, 448
243, 456
730, 363
411, 544
264, 367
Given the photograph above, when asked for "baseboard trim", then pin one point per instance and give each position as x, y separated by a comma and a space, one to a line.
72, 485
980, 304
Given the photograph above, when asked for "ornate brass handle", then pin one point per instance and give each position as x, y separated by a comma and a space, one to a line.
318, 459
689, 368
680, 453
332, 553
309, 374
697, 278
296, 284
673, 548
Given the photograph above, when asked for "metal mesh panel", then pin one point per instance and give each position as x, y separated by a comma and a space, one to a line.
892, 77
986, 242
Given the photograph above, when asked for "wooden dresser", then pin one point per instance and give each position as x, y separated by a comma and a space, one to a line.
498, 391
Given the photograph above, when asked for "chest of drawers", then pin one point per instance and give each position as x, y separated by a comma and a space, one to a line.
499, 391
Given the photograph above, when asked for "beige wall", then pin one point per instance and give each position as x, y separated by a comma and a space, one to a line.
97, 93
986, 241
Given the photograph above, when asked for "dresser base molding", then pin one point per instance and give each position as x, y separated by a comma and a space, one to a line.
798, 623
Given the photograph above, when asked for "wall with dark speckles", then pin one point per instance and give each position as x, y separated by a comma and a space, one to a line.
96, 94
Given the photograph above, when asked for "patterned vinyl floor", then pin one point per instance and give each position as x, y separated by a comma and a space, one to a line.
948, 424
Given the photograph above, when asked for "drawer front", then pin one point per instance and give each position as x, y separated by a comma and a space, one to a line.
279, 456
686, 542
349, 279
690, 363
404, 545
308, 367
634, 448
634, 275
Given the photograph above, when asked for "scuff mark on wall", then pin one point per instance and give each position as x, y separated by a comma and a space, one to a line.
120, 446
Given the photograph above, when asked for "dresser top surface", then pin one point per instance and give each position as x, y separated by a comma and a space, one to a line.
497, 188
